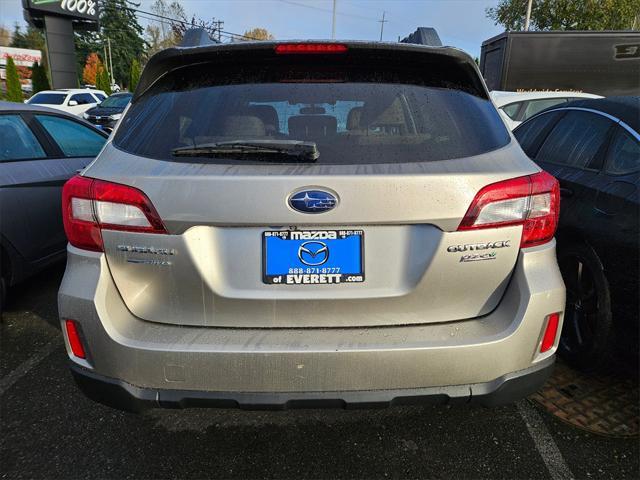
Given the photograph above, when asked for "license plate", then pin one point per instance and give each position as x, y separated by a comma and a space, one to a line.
312, 257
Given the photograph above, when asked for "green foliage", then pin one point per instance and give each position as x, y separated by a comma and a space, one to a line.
32, 38
14, 90
39, 78
119, 24
568, 14
106, 88
102, 81
134, 75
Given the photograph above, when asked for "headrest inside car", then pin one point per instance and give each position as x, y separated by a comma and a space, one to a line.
312, 126
243, 126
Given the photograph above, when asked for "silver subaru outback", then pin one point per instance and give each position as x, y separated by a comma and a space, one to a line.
279, 225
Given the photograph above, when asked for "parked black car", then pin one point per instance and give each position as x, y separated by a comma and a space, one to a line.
105, 115
40, 149
593, 148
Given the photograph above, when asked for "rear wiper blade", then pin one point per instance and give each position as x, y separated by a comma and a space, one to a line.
254, 149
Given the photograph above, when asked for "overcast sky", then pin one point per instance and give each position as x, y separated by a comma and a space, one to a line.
460, 23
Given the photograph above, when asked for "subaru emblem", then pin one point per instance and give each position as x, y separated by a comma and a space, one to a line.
313, 201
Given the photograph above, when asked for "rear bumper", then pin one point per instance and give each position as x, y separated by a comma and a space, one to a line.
121, 395
170, 365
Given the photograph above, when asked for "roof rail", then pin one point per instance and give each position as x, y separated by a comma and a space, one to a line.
196, 37
424, 36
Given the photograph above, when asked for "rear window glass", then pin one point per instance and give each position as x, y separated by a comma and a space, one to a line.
353, 119
536, 106
73, 138
624, 154
83, 98
48, 98
17, 142
576, 140
531, 133
512, 109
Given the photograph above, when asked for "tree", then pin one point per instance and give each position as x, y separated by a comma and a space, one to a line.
91, 67
163, 35
568, 14
32, 38
179, 28
100, 78
118, 23
39, 79
134, 75
103, 81
258, 34
14, 90
5, 37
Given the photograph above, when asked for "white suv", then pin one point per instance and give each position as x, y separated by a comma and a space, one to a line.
72, 100
516, 107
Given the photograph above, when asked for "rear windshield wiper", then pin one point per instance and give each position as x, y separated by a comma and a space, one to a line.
263, 150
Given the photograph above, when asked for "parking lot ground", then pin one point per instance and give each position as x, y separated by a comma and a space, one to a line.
48, 429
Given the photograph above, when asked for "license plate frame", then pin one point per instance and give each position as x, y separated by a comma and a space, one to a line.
341, 262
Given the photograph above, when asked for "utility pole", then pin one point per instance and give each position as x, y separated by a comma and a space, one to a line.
528, 17
382, 22
333, 22
106, 59
110, 60
219, 26
217, 29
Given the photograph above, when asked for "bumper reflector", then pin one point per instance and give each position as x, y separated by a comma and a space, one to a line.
550, 333
74, 339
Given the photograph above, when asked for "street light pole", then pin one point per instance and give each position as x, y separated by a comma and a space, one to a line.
333, 22
528, 17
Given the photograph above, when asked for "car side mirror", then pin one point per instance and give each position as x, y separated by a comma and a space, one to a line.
73, 103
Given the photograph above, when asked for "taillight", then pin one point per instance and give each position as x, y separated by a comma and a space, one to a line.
89, 206
532, 201
306, 48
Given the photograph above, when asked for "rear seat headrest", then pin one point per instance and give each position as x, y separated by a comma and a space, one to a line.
312, 126
243, 126
353, 119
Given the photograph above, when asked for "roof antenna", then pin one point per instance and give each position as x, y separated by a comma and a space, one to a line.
196, 37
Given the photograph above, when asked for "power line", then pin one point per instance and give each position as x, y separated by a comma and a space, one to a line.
320, 9
214, 31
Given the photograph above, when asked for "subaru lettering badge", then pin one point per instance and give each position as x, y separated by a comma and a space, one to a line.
313, 201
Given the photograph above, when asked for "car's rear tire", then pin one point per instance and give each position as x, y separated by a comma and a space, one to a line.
587, 333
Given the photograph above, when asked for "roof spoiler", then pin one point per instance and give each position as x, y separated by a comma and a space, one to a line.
459, 65
424, 36
196, 37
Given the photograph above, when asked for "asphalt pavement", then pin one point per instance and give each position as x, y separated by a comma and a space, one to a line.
48, 429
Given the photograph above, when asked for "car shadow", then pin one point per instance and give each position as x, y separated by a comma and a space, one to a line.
38, 295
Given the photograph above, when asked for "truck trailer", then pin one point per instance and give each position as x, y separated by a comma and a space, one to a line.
604, 63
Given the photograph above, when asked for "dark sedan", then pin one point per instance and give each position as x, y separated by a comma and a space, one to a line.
40, 149
106, 114
593, 148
